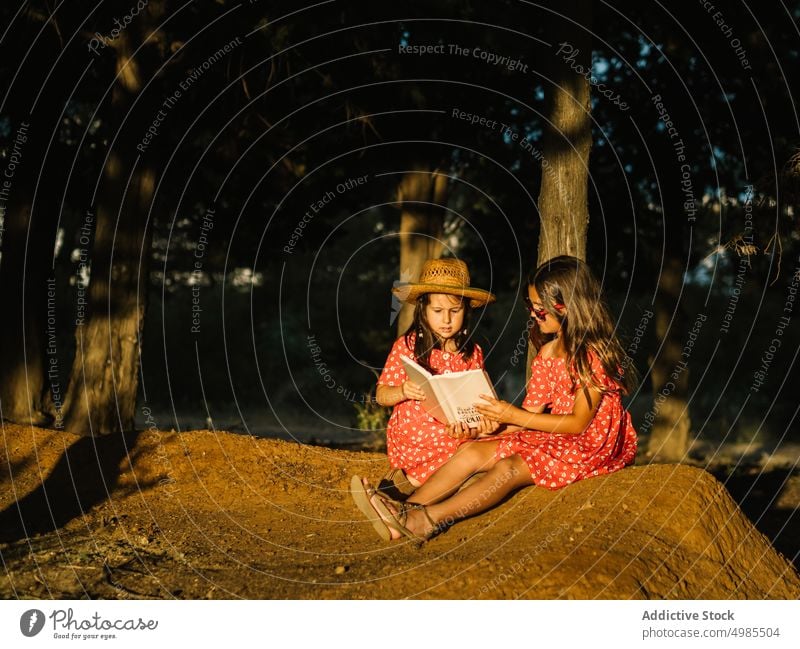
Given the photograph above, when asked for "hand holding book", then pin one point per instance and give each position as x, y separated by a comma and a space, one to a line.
450, 398
497, 410
412, 391
484, 428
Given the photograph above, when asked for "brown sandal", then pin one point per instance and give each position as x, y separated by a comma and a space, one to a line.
362, 496
387, 514
376, 507
398, 520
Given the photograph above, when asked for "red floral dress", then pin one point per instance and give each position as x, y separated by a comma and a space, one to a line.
607, 445
415, 441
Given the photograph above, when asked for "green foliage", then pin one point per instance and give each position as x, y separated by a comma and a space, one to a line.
372, 418
370, 415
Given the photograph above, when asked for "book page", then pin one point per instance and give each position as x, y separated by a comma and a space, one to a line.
449, 398
432, 402
461, 390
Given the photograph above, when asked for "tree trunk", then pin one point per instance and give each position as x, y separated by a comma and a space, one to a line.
32, 369
23, 277
421, 227
26, 245
567, 140
669, 420
104, 381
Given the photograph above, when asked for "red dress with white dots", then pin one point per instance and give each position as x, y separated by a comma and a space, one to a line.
415, 441
607, 445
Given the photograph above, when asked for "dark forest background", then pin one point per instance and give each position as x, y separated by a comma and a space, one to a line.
154, 277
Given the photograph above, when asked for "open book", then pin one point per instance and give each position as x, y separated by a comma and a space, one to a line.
450, 397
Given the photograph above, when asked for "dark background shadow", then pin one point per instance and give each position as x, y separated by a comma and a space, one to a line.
757, 493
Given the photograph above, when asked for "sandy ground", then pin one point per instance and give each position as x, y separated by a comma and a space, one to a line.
217, 515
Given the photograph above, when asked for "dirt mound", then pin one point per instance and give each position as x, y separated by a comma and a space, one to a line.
204, 514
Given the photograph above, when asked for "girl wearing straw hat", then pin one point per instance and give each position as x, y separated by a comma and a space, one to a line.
440, 340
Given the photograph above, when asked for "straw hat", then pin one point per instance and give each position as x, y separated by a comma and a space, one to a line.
443, 276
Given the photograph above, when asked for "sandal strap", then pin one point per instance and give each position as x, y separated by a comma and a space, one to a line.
400, 518
422, 508
437, 527
395, 474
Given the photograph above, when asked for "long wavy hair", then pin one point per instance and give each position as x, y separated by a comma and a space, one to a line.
424, 340
586, 325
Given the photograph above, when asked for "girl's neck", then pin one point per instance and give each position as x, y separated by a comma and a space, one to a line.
448, 345
559, 351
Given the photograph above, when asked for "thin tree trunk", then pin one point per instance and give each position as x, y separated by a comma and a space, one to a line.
669, 420
567, 140
421, 228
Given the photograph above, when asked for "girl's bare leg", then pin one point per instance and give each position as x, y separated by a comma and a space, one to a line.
504, 477
470, 458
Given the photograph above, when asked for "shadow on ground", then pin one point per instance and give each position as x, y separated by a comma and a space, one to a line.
83, 477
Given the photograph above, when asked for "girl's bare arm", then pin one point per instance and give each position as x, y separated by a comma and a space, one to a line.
572, 424
391, 395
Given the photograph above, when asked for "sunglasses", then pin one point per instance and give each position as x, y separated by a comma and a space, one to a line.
539, 314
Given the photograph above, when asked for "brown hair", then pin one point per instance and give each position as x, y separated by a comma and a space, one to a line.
426, 340
586, 326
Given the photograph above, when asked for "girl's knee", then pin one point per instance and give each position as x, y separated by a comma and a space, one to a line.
514, 469
477, 453
504, 466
